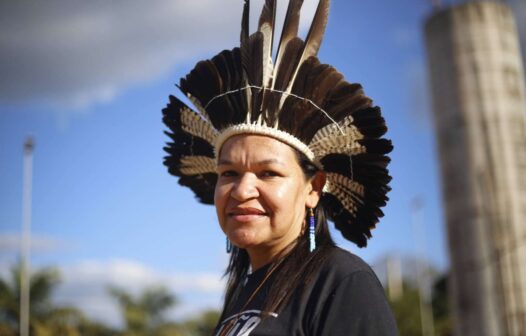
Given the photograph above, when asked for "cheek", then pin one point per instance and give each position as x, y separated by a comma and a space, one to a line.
286, 198
217, 195
220, 198
281, 194
220, 193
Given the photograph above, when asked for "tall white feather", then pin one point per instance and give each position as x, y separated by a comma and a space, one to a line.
268, 67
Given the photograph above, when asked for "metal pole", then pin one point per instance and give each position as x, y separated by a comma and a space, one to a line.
394, 277
25, 269
426, 311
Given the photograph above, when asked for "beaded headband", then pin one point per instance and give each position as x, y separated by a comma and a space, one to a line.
294, 99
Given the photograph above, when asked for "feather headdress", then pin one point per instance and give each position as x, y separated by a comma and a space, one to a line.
293, 98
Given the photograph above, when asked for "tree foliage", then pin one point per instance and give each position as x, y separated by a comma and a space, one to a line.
45, 317
407, 309
203, 325
143, 314
441, 307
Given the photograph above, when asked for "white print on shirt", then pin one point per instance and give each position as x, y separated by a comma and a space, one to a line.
245, 322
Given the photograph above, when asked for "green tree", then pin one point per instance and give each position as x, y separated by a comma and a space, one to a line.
203, 325
87, 327
406, 310
143, 315
441, 310
41, 285
45, 318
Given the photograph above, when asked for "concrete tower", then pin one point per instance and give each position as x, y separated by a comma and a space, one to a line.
479, 104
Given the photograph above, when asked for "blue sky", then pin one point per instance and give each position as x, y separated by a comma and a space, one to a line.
89, 80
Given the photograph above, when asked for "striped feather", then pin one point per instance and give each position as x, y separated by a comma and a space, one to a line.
339, 144
330, 129
196, 104
195, 165
194, 124
349, 192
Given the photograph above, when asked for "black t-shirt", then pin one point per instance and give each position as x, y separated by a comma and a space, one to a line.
344, 297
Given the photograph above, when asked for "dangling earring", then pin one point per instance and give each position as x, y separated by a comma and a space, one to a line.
312, 230
228, 245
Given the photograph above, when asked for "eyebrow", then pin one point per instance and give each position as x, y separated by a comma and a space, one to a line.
259, 163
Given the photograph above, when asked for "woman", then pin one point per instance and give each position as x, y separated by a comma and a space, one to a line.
277, 146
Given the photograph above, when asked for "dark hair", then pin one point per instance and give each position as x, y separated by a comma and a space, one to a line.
295, 267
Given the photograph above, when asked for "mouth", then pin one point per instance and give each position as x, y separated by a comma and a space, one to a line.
246, 214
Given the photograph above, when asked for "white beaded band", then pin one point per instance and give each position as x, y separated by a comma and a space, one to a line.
283, 136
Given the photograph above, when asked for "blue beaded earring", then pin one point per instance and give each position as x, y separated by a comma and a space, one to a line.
228, 245
312, 230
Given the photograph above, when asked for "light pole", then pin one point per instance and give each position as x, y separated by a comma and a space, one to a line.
426, 311
25, 270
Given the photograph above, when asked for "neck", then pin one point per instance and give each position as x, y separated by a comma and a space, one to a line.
260, 257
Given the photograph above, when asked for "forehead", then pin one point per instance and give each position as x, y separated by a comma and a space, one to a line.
257, 147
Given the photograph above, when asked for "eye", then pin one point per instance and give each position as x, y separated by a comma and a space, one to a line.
269, 173
228, 173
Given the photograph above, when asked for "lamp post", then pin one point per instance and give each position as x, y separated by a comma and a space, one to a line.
426, 311
25, 273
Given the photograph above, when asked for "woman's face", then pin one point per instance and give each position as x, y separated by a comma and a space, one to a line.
261, 193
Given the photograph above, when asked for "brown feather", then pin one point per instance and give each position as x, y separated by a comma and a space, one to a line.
289, 31
245, 20
292, 54
321, 83
293, 108
284, 73
244, 38
345, 99
315, 34
255, 73
228, 71
267, 19
238, 81
203, 82
266, 28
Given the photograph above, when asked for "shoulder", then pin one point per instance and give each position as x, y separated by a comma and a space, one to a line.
349, 298
340, 264
344, 273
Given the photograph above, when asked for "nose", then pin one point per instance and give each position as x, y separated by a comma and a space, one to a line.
245, 188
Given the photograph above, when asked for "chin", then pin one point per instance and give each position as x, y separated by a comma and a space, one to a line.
242, 240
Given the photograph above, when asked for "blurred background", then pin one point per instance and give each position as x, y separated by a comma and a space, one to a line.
117, 247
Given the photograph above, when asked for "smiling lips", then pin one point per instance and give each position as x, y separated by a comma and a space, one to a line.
246, 214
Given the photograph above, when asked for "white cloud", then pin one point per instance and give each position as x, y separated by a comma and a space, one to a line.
79, 52
76, 53
85, 285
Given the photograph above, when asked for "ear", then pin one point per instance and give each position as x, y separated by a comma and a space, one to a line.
316, 188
